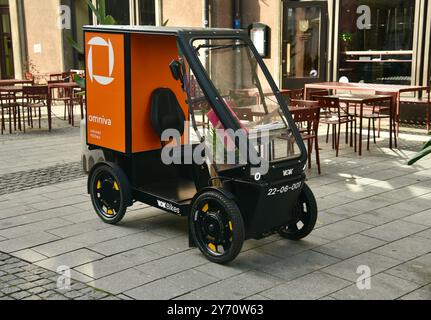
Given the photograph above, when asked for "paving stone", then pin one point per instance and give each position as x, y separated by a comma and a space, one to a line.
123, 281
350, 246
341, 229
238, 287
37, 290
116, 263
126, 243
394, 230
191, 280
29, 255
286, 248
423, 293
423, 218
173, 264
299, 265
383, 287
312, 286
39, 226
72, 294
405, 249
71, 259
57, 248
26, 242
347, 269
10, 290
417, 270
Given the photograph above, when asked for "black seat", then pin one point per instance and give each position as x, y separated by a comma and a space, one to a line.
166, 112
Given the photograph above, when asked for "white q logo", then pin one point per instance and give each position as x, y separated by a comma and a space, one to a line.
97, 41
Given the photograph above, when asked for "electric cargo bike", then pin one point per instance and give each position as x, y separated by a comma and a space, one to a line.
191, 122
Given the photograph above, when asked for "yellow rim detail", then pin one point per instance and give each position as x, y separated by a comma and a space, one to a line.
205, 208
116, 186
99, 185
212, 247
110, 212
230, 226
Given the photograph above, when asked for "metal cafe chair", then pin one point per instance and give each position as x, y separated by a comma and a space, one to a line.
35, 98
334, 115
423, 99
308, 114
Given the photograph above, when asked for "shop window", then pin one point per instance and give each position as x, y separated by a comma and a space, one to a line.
120, 10
147, 12
376, 40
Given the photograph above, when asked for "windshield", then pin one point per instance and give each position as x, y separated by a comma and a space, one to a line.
240, 82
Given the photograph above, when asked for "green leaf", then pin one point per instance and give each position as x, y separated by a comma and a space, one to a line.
80, 81
75, 45
94, 10
426, 145
108, 20
420, 155
102, 8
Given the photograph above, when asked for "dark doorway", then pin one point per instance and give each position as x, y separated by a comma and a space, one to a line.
6, 53
304, 50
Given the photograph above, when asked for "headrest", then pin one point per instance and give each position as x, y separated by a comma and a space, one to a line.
166, 112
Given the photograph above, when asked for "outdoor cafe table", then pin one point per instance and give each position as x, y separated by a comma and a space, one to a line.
11, 82
367, 87
68, 88
363, 100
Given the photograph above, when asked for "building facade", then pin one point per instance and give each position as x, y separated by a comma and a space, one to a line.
385, 41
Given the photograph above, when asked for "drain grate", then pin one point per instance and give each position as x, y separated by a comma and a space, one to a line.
25, 180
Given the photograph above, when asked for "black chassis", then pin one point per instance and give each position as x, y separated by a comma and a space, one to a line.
262, 211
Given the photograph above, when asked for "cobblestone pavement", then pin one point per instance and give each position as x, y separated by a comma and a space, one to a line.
375, 213
25, 180
20, 280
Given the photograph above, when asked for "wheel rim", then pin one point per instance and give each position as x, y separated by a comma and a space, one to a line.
213, 228
302, 218
107, 195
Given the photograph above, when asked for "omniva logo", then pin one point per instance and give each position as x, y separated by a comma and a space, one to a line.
100, 120
101, 79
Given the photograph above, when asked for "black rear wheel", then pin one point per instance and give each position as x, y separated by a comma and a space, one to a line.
305, 217
109, 192
217, 227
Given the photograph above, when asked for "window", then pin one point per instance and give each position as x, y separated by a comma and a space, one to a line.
237, 76
376, 40
147, 12
120, 10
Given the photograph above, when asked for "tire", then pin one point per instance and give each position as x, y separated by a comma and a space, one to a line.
306, 214
110, 193
217, 227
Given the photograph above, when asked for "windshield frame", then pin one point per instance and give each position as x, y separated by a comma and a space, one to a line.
186, 40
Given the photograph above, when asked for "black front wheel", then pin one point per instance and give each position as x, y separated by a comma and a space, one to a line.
109, 191
217, 227
305, 217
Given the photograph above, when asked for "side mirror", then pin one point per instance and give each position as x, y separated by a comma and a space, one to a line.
176, 70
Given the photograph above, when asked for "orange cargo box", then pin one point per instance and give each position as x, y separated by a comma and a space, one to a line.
123, 69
